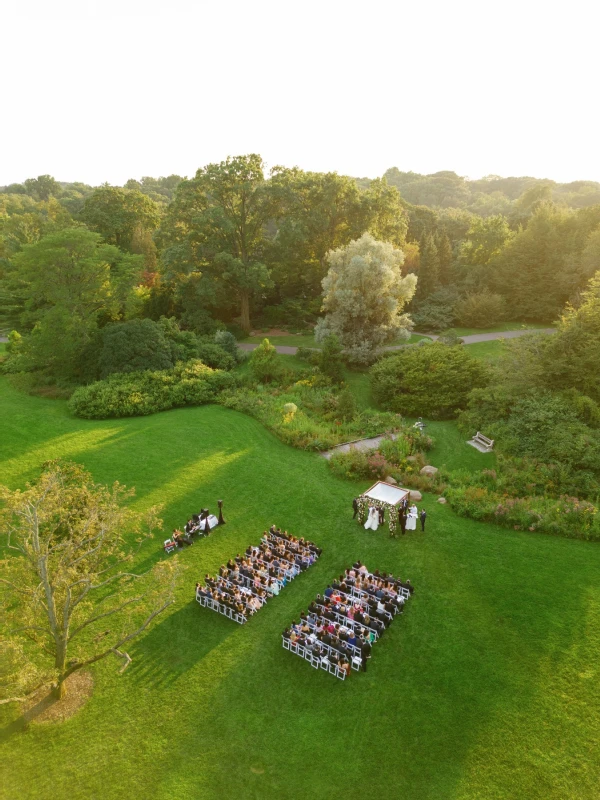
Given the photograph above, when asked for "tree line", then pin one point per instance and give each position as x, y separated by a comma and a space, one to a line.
238, 246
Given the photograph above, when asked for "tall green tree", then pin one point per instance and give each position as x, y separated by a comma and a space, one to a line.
70, 281
485, 239
320, 212
364, 293
43, 187
216, 229
429, 267
445, 257
538, 269
120, 215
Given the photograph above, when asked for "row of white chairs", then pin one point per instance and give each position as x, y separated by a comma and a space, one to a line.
313, 624
315, 661
363, 601
298, 548
220, 608
349, 622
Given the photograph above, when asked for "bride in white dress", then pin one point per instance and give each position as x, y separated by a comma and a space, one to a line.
373, 519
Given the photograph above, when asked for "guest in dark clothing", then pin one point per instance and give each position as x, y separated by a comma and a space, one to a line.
355, 507
423, 517
402, 520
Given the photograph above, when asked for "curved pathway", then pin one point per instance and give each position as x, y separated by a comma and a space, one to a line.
288, 350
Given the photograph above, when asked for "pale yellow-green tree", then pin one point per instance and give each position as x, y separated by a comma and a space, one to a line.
72, 594
364, 294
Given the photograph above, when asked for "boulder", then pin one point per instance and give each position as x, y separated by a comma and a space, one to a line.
442, 500
415, 496
412, 459
391, 480
429, 471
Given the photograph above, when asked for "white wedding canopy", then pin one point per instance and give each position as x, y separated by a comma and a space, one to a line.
386, 493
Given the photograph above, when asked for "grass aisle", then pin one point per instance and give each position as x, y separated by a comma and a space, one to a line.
485, 688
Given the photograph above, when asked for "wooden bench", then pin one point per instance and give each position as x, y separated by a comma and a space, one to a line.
482, 443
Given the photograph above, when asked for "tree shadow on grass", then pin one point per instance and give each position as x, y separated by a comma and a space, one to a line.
175, 645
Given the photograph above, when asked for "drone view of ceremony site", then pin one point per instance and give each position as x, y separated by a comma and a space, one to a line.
300, 442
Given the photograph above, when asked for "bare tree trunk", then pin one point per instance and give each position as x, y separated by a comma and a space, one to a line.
245, 312
60, 662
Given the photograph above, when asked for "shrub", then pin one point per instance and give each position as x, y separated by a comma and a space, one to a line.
432, 381
214, 355
450, 338
346, 406
228, 342
263, 362
141, 393
436, 313
308, 355
330, 359
481, 309
137, 344
565, 516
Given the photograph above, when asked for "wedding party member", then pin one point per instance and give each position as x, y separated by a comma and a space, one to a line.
402, 519
355, 507
423, 517
381, 516
411, 520
373, 519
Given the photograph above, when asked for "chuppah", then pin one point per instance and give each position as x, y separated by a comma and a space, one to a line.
373, 504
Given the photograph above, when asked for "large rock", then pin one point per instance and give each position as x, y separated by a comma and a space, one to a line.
429, 470
442, 500
415, 496
412, 459
391, 480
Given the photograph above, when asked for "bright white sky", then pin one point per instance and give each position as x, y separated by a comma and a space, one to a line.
117, 89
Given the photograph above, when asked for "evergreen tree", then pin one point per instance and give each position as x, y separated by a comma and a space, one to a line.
444, 249
429, 270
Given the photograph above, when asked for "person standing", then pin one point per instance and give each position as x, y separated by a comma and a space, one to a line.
402, 519
355, 507
423, 517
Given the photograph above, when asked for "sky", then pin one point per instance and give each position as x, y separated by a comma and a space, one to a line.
117, 89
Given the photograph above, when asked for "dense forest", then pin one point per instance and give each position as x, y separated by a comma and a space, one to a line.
239, 247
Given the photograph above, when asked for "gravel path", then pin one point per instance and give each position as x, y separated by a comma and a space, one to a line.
359, 444
287, 350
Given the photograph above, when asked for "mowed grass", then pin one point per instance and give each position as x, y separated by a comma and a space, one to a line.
487, 687
487, 351
504, 326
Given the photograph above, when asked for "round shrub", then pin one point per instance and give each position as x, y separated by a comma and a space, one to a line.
138, 344
481, 309
431, 381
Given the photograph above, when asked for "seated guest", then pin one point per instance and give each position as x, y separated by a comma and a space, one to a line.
344, 665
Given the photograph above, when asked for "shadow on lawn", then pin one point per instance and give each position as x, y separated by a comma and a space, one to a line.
176, 644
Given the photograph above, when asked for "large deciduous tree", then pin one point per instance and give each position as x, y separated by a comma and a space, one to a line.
215, 232
121, 216
364, 294
319, 212
72, 593
69, 280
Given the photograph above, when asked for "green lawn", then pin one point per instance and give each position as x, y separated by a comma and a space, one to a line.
485, 689
505, 326
488, 351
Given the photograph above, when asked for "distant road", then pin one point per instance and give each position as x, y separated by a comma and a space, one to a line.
287, 350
